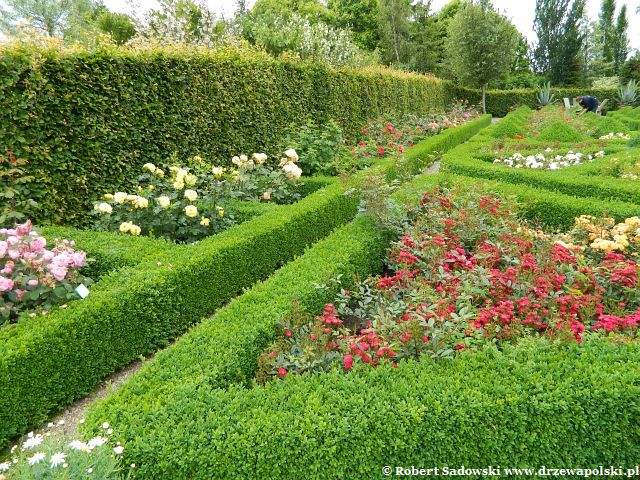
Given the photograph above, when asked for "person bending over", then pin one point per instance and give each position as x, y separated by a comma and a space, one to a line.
588, 104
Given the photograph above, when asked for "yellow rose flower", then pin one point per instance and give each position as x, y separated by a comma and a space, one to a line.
178, 185
266, 196
124, 227
190, 195
149, 166
134, 229
103, 208
204, 221
108, 196
220, 211
190, 179
120, 197
191, 211
163, 201
160, 172
217, 171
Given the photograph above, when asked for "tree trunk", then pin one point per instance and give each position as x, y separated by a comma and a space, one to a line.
395, 42
484, 98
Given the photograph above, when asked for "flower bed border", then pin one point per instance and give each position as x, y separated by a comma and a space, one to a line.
137, 310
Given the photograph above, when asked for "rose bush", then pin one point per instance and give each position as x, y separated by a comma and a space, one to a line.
468, 273
34, 278
171, 202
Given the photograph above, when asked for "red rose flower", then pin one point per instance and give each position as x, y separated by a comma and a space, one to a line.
282, 371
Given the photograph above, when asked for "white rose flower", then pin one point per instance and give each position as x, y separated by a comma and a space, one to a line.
292, 170
150, 167
260, 158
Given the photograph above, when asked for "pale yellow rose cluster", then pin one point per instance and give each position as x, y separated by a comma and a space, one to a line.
150, 167
182, 177
604, 234
288, 164
103, 208
163, 201
191, 211
128, 227
121, 197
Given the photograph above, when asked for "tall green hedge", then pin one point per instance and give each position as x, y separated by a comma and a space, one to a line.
87, 121
501, 102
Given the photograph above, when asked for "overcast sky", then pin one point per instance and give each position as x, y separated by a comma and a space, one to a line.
521, 12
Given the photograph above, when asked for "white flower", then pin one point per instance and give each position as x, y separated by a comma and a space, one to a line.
190, 195
37, 458
50, 425
291, 154
78, 445
190, 179
32, 442
217, 171
292, 170
244, 158
57, 459
4, 466
236, 160
90, 471
103, 207
120, 197
549, 150
110, 431
118, 450
163, 201
266, 196
96, 442
149, 166
105, 425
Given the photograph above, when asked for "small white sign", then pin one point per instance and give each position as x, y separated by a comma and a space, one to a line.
82, 291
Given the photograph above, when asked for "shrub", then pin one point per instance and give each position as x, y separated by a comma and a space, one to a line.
318, 146
94, 138
32, 278
560, 132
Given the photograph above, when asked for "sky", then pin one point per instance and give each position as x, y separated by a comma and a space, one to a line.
521, 12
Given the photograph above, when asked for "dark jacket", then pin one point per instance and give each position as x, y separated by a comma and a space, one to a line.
590, 103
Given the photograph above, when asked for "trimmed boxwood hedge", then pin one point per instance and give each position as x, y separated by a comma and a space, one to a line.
527, 406
49, 361
88, 121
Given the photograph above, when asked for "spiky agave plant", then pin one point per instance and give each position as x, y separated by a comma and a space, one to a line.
545, 97
628, 94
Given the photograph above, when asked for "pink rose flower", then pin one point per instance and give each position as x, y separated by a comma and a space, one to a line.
6, 284
33, 282
38, 244
3, 248
59, 272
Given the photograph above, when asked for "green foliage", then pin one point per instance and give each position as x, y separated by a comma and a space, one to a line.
15, 190
101, 115
630, 70
560, 132
118, 25
318, 147
359, 16
394, 25
512, 125
325, 423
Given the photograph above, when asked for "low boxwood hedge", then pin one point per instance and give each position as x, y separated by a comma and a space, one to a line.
527, 406
49, 361
550, 208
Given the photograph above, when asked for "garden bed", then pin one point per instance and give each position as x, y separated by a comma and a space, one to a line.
196, 411
139, 308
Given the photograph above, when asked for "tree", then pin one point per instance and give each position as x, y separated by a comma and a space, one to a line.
394, 27
558, 25
359, 16
480, 46
621, 41
119, 26
631, 69
607, 30
49, 16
